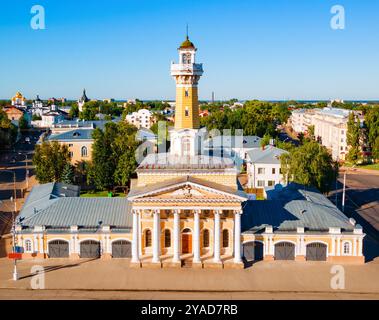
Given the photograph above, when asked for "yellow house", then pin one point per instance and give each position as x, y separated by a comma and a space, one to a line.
79, 143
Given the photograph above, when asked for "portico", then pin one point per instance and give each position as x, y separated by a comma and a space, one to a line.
201, 237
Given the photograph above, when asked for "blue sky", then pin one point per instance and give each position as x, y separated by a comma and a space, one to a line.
276, 49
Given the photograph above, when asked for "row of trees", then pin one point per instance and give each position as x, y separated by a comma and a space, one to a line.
8, 131
363, 137
113, 156
372, 125
255, 118
92, 108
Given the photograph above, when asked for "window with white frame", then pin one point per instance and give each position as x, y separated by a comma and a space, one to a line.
84, 151
28, 246
346, 248
261, 183
261, 170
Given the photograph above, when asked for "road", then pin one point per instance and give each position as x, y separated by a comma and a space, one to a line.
15, 160
362, 204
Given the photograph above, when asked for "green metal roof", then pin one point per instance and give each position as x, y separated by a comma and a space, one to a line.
294, 207
83, 212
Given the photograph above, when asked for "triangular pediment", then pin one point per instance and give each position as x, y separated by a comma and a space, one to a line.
186, 190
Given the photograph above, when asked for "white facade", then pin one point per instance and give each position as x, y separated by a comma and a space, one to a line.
186, 142
143, 118
301, 120
331, 129
264, 167
48, 119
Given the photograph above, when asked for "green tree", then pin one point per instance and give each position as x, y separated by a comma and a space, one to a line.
113, 156
372, 124
8, 131
353, 138
74, 111
23, 123
68, 174
375, 149
310, 164
36, 117
49, 160
266, 140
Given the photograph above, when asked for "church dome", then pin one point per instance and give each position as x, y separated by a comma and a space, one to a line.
187, 44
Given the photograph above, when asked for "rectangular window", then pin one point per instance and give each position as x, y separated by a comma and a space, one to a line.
187, 93
261, 183
271, 183
261, 170
273, 171
187, 112
70, 145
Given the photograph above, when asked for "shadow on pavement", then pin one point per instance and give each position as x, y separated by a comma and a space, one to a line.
58, 267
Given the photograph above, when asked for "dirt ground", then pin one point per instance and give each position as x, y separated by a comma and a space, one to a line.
114, 279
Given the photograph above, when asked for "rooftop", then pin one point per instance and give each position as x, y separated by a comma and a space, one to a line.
82, 212
166, 161
268, 155
43, 195
77, 134
294, 207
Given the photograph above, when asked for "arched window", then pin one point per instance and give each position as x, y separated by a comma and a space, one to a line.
346, 248
28, 246
186, 112
148, 238
225, 238
186, 58
167, 238
206, 238
84, 152
186, 147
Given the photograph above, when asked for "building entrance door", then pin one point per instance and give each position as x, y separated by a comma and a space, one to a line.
186, 241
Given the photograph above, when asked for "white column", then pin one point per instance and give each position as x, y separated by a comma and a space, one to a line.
135, 253
216, 251
360, 247
41, 246
338, 246
354, 247
71, 247
237, 237
156, 237
139, 214
196, 237
333, 253
266, 246
35, 244
176, 257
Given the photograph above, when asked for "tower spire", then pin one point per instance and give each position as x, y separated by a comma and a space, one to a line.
187, 32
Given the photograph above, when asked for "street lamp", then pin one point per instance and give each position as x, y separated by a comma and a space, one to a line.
15, 273
344, 188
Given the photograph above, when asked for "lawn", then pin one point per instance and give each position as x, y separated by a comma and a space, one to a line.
100, 194
370, 167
